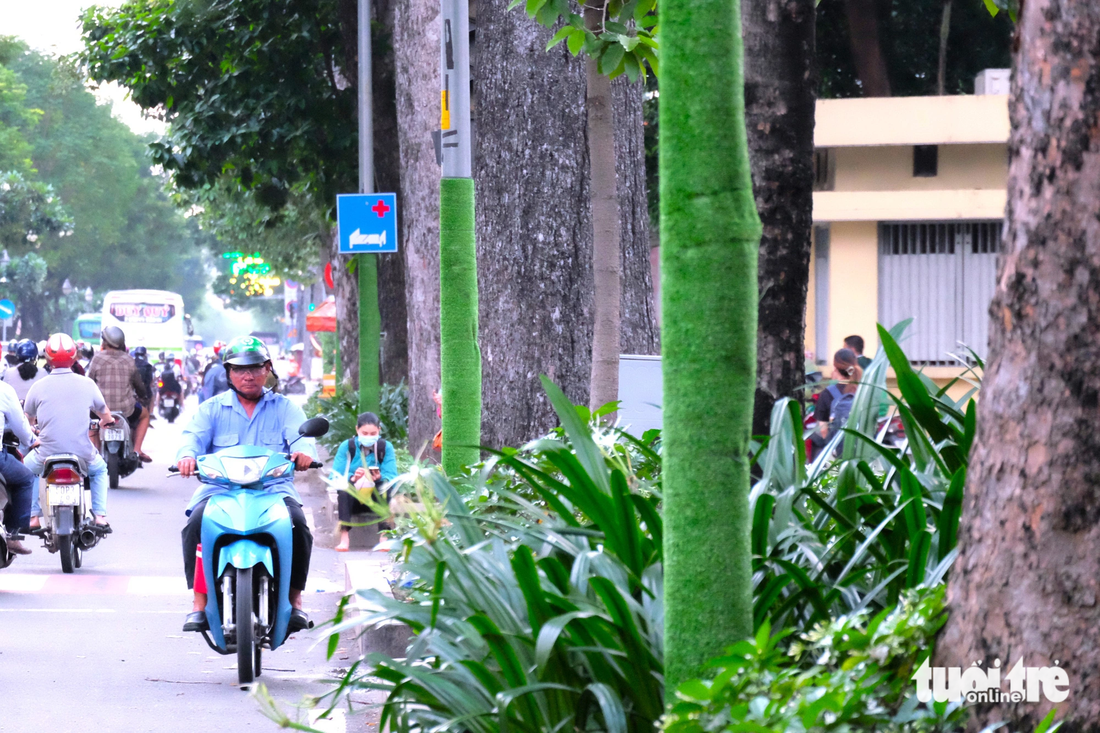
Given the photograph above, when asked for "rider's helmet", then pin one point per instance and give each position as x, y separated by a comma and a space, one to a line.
245, 351
60, 351
11, 346
26, 350
86, 351
114, 337
163, 356
218, 346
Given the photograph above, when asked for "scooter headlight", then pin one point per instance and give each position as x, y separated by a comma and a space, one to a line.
244, 471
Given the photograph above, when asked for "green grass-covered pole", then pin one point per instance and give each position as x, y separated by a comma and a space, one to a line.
460, 358
370, 328
709, 237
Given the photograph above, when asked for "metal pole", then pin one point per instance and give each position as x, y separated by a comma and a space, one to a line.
369, 317
460, 358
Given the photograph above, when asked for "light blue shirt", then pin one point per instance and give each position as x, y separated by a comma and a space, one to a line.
221, 422
14, 418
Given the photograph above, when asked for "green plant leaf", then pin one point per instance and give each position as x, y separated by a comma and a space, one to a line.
560, 36
611, 58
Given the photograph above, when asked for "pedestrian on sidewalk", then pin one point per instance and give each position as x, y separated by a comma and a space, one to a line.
366, 463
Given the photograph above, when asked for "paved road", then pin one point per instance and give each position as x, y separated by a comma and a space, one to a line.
102, 650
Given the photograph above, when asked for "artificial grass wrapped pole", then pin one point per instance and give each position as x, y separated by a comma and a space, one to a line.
460, 357
709, 237
370, 328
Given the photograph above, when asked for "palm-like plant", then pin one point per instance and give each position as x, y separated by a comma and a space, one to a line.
538, 619
839, 536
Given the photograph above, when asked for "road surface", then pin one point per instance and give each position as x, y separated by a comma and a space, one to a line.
102, 650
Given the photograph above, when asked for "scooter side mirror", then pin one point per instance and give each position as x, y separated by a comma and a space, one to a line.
313, 428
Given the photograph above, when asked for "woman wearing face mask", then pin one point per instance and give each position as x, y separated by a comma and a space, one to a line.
365, 460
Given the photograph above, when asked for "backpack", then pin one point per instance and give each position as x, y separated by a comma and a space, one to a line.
379, 452
841, 408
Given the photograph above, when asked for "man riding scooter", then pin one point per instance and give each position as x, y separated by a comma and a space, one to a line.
120, 382
247, 414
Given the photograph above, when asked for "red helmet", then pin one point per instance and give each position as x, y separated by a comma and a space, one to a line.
60, 351
218, 346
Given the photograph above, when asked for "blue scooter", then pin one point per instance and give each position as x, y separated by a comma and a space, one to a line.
247, 546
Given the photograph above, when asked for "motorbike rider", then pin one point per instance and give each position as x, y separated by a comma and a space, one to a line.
169, 377
20, 481
120, 382
147, 373
214, 380
27, 372
248, 414
59, 405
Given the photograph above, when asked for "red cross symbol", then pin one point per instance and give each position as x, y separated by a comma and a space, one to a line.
380, 208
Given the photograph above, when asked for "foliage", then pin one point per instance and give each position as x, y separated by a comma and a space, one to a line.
342, 412
909, 32
117, 228
549, 619
28, 211
252, 89
849, 673
840, 536
624, 40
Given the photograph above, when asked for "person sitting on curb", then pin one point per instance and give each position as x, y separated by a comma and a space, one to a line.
365, 462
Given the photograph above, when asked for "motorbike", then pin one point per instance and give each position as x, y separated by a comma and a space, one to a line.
11, 445
116, 445
170, 395
68, 527
247, 546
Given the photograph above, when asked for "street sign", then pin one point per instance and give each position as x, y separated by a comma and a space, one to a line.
367, 222
7, 309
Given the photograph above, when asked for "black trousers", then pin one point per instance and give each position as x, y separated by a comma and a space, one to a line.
303, 543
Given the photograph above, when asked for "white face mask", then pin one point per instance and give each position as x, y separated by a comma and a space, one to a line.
368, 441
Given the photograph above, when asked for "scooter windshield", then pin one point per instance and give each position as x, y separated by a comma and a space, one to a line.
244, 466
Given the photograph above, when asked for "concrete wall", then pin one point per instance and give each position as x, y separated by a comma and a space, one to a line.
853, 284
891, 168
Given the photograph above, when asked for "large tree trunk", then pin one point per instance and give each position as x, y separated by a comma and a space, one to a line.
416, 50
387, 167
1026, 580
534, 226
867, 48
779, 118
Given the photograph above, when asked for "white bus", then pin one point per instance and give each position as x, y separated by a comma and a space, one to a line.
150, 318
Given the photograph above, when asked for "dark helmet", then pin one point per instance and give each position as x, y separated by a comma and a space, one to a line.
87, 352
163, 356
114, 337
245, 351
140, 351
26, 350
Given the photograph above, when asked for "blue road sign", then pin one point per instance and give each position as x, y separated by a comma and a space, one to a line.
367, 222
7, 309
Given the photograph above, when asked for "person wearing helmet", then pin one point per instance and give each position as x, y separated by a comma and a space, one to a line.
148, 374
21, 483
214, 380
247, 414
117, 376
59, 404
27, 373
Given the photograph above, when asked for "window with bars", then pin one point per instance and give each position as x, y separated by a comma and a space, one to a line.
942, 275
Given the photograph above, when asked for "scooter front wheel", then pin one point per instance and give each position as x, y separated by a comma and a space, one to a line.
247, 643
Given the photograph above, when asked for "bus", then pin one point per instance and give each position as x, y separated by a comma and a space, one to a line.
150, 318
86, 328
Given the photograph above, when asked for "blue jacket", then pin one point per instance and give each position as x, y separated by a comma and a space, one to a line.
388, 469
215, 382
221, 422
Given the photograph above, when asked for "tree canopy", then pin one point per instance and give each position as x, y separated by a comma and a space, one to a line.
89, 200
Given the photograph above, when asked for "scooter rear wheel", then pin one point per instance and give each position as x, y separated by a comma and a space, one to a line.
112, 469
65, 548
247, 646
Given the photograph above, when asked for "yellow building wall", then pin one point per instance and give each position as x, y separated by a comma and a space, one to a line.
891, 168
853, 284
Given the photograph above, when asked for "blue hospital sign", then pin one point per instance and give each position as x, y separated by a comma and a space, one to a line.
367, 222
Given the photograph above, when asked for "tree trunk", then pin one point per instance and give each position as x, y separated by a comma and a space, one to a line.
866, 47
709, 238
387, 166
534, 227
779, 118
1025, 583
604, 203
945, 31
416, 52
639, 332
